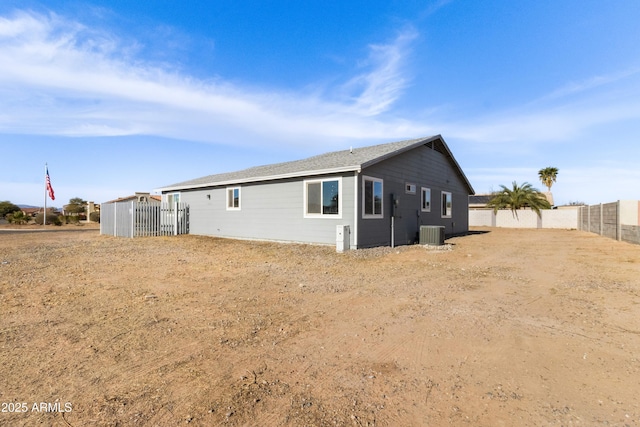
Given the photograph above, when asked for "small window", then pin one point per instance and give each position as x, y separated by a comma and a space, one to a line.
372, 197
233, 198
426, 199
446, 204
322, 198
410, 188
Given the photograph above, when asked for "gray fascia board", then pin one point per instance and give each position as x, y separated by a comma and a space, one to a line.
261, 178
457, 165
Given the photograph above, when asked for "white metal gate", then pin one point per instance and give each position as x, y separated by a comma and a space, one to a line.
138, 219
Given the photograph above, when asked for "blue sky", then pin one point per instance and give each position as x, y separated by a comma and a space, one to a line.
124, 96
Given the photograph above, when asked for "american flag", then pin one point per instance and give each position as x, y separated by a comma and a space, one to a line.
49, 187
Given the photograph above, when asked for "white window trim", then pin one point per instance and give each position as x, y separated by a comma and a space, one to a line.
166, 196
322, 215
410, 188
371, 216
427, 209
443, 214
233, 208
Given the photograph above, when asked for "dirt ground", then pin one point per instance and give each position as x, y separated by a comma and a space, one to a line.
498, 328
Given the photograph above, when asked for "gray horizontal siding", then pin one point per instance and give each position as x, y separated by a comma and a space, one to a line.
269, 211
423, 167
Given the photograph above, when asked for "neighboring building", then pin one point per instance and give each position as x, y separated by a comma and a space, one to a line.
415, 182
137, 197
479, 201
92, 207
33, 212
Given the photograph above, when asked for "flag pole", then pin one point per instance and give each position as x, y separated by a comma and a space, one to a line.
44, 220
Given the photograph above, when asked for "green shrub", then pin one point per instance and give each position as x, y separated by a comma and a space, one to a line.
52, 219
71, 219
6, 207
18, 218
95, 216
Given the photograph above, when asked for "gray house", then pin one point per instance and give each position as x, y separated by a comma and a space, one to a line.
383, 193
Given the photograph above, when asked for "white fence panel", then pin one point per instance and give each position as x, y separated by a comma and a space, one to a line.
134, 219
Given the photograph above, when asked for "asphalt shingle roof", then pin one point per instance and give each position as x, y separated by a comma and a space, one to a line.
480, 199
336, 161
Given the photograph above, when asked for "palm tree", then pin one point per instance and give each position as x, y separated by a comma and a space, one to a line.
548, 176
519, 197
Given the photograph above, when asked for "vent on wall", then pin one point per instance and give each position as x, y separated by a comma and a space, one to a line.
435, 145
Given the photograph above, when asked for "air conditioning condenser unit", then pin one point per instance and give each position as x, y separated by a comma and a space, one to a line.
432, 235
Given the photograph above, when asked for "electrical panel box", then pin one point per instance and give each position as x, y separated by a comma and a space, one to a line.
343, 238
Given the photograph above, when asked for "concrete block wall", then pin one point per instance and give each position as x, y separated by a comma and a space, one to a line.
631, 234
610, 220
630, 221
594, 219
583, 218
524, 219
618, 220
482, 218
560, 218
556, 218
629, 212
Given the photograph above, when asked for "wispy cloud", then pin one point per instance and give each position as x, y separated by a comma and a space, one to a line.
590, 127
60, 77
578, 87
564, 115
433, 7
385, 79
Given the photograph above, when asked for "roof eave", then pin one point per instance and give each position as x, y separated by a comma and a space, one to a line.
455, 162
400, 151
419, 143
300, 174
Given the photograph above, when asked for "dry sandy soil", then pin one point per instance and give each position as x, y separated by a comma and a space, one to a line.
500, 327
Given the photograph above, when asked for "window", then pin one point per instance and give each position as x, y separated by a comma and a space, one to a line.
426, 200
233, 198
322, 197
446, 204
372, 197
172, 198
410, 188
